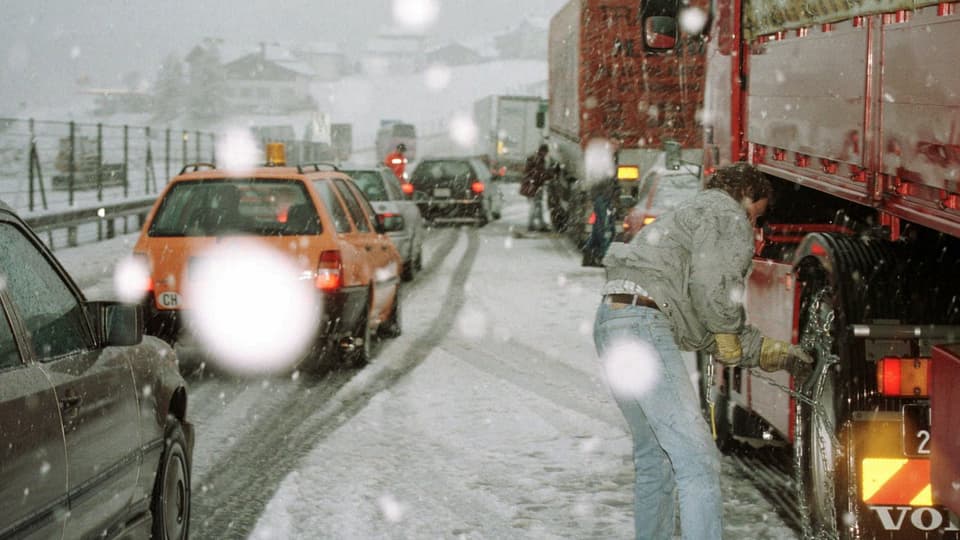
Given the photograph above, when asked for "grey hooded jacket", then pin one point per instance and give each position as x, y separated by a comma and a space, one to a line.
693, 261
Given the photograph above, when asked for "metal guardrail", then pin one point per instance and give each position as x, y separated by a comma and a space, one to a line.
105, 217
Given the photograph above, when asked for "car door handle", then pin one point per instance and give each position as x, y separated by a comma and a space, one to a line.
70, 401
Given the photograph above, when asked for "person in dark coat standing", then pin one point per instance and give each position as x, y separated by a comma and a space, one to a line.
536, 174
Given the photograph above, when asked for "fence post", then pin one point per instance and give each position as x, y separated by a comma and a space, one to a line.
148, 173
73, 165
167, 157
33, 149
126, 155
35, 166
99, 161
183, 154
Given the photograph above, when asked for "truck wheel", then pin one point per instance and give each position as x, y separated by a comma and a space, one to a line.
827, 489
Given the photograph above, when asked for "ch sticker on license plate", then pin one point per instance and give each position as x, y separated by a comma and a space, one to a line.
168, 300
916, 430
441, 192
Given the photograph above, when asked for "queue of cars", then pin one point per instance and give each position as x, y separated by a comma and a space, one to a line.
94, 434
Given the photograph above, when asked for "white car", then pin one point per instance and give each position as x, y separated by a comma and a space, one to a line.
386, 194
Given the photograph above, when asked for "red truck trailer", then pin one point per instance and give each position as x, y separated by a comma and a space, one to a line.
853, 111
612, 87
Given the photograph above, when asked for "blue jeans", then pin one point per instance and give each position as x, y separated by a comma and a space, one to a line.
673, 450
598, 241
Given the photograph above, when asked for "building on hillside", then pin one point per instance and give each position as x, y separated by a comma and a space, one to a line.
527, 41
453, 54
394, 54
257, 83
325, 60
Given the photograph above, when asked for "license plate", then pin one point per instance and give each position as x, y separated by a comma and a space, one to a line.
441, 192
916, 430
169, 300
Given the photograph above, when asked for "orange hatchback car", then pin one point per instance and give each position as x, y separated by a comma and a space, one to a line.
313, 214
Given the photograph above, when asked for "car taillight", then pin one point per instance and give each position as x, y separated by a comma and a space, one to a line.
476, 187
142, 261
329, 271
903, 377
593, 218
407, 188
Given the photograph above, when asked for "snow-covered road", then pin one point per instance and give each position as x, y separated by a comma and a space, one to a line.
487, 418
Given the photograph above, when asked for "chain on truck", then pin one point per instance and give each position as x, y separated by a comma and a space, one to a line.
615, 83
852, 111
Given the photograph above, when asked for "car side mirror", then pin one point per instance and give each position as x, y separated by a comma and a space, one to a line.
389, 222
116, 324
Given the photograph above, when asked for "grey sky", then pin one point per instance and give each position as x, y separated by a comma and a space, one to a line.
46, 45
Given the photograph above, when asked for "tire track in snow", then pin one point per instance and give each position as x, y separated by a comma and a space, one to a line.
229, 499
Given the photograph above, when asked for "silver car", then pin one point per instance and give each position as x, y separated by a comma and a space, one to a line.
386, 196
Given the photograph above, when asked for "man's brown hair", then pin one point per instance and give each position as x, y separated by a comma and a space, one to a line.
742, 181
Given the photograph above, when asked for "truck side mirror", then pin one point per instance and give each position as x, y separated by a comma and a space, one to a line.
660, 32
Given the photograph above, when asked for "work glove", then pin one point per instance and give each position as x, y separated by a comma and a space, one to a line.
729, 351
776, 355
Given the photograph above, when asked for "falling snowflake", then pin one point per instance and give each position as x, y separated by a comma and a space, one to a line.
251, 329
237, 150
415, 14
692, 20
390, 508
632, 367
462, 130
437, 77
131, 279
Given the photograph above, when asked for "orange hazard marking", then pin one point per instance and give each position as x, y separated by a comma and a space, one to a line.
896, 481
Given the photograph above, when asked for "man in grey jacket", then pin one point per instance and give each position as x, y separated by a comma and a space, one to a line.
679, 285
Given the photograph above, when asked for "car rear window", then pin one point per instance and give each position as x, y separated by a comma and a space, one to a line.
371, 184
261, 207
431, 172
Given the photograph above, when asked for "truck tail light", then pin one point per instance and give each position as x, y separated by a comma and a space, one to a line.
476, 187
903, 377
329, 271
407, 188
628, 172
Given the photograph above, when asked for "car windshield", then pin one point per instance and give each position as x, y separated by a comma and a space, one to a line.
371, 184
258, 207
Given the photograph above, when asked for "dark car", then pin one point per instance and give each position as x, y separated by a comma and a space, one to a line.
456, 190
385, 193
94, 439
